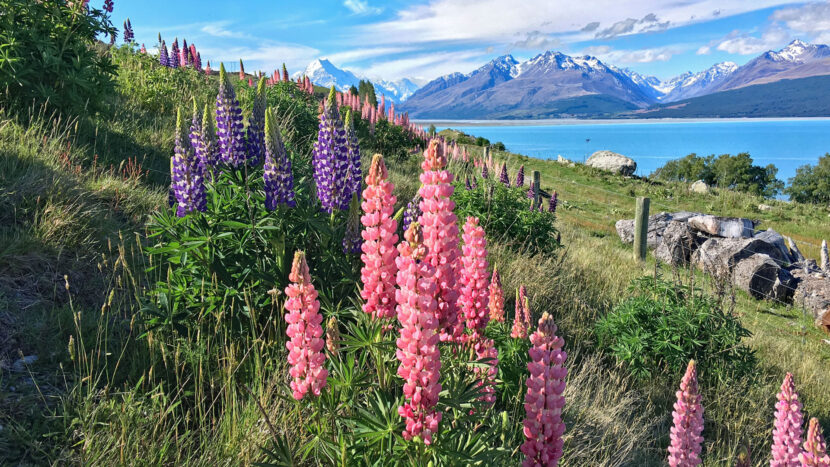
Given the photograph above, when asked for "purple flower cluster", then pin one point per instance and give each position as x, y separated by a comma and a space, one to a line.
108, 6
229, 123
128, 32
353, 175
186, 178
279, 182
412, 212
554, 200
256, 127
504, 177
173, 58
330, 158
520, 176
164, 57
484, 172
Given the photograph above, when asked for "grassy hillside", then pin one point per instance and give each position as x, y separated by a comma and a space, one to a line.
77, 199
804, 97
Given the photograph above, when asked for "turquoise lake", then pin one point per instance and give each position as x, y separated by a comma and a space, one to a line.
787, 143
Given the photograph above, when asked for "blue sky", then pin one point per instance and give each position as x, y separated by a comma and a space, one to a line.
426, 39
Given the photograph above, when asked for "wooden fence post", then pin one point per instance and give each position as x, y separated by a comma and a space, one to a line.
641, 228
537, 182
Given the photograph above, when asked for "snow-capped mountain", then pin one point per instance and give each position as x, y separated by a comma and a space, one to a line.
697, 84
324, 73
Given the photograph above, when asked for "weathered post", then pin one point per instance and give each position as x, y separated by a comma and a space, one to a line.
537, 182
641, 228
486, 153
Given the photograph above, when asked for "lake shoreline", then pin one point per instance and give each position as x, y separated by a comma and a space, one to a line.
605, 121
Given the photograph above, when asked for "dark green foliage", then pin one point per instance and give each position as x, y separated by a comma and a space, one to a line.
811, 184
499, 146
47, 54
366, 88
505, 214
663, 325
482, 141
431, 130
353, 91
392, 141
725, 171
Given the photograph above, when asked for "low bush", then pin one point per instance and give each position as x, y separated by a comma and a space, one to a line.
663, 325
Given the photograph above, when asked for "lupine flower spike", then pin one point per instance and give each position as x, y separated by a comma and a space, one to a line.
163, 56
332, 336
353, 173
787, 435
173, 58
543, 425
256, 127
554, 200
411, 213
815, 451
186, 182
128, 32
208, 141
279, 181
304, 331
504, 177
418, 353
143, 49
441, 236
330, 158
496, 298
379, 238
686, 439
520, 176
474, 278
108, 6
229, 123
525, 302
197, 166
520, 326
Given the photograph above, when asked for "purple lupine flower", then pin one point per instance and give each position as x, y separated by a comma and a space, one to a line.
354, 175
180, 169
553, 202
474, 182
163, 56
128, 32
412, 212
530, 191
256, 127
467, 183
198, 165
113, 36
173, 58
185, 53
504, 177
229, 123
197, 62
520, 176
330, 156
352, 241
279, 182
108, 6
484, 172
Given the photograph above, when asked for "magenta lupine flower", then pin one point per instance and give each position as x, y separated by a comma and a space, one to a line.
255, 140
330, 158
229, 123
108, 6
504, 177
554, 200
530, 194
474, 278
163, 56
279, 181
379, 239
411, 213
143, 49
815, 450
207, 68
787, 435
173, 58
353, 173
128, 32
525, 302
418, 353
686, 439
284, 73
544, 401
241, 70
304, 331
441, 237
520, 176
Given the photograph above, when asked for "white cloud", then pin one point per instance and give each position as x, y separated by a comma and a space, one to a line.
265, 57
612, 56
704, 50
811, 20
361, 7
648, 23
535, 40
219, 30
745, 44
425, 66
354, 55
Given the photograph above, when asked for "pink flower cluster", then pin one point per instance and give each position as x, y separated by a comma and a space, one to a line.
474, 278
521, 320
304, 331
686, 439
815, 451
543, 425
786, 437
441, 237
379, 238
420, 359
496, 303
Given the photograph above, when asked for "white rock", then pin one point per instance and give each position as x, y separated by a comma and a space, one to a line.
728, 227
612, 162
764, 207
699, 187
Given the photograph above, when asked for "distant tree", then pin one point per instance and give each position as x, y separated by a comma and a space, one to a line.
725, 171
432, 130
482, 141
366, 88
811, 184
353, 91
499, 146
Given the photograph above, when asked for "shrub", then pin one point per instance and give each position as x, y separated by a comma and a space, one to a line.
505, 214
664, 325
811, 184
47, 54
726, 171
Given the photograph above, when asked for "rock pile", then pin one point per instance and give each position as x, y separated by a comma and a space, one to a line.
765, 264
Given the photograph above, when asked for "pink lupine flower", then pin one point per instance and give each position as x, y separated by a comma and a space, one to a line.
525, 302
543, 425
684, 450
332, 336
521, 318
475, 278
496, 303
815, 451
379, 239
418, 353
786, 437
441, 237
304, 331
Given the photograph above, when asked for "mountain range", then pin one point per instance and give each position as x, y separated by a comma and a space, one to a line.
553, 84
324, 73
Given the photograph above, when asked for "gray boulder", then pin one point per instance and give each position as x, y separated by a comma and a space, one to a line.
657, 224
813, 294
678, 244
718, 256
727, 227
774, 238
699, 187
612, 162
758, 276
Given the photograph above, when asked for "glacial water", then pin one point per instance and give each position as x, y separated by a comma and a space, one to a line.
787, 143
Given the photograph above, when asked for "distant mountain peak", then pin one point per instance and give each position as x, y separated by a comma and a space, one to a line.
324, 73
798, 51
